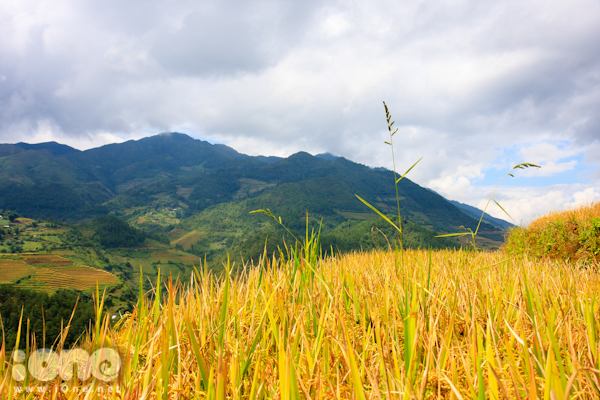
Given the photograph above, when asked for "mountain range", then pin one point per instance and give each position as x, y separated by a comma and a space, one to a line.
209, 189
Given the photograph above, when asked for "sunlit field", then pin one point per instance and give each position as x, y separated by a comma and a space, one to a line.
571, 235
397, 324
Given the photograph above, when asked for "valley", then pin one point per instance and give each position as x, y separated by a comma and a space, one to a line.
192, 200
141, 212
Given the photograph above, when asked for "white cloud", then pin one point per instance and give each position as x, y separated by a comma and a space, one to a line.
549, 168
583, 197
524, 204
462, 79
547, 152
48, 131
334, 25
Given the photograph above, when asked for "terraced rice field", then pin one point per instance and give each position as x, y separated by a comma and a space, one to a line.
186, 241
11, 270
46, 259
148, 261
56, 273
54, 231
174, 256
175, 234
163, 217
32, 246
136, 263
22, 220
50, 238
77, 277
189, 259
63, 252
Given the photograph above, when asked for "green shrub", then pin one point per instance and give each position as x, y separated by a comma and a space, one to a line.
572, 235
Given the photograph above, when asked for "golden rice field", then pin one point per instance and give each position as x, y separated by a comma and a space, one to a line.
188, 239
33, 259
410, 324
78, 277
10, 270
381, 325
63, 252
51, 272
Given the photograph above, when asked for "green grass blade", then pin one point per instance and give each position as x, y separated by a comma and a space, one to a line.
196, 349
224, 307
454, 234
268, 213
379, 213
503, 209
407, 171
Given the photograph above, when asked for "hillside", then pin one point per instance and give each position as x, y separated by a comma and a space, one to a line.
48, 256
174, 185
569, 236
476, 213
479, 325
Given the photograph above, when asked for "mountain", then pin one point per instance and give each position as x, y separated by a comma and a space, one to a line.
476, 213
174, 185
56, 149
121, 166
54, 180
268, 160
326, 156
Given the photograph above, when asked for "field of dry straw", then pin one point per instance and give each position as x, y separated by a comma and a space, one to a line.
411, 324
382, 325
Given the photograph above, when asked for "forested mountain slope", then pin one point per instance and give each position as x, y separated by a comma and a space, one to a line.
173, 172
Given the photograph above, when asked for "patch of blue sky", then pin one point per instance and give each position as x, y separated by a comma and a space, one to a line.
559, 161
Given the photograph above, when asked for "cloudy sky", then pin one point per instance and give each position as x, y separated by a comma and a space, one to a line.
474, 86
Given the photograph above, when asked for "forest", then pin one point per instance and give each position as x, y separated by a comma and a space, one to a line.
45, 314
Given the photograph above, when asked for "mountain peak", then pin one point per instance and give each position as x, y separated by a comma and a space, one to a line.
172, 136
56, 149
300, 155
327, 156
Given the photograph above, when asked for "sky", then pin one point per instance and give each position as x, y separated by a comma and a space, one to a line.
474, 87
